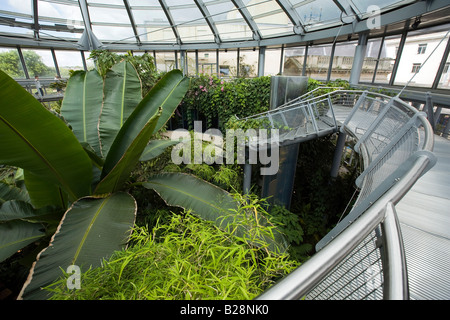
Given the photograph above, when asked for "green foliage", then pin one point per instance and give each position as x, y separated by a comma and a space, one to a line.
144, 65
10, 64
213, 98
187, 258
313, 84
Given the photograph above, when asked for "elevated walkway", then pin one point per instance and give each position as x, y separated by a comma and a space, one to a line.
394, 244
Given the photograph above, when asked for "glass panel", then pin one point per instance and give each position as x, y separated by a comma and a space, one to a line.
19, 6
418, 47
317, 14
165, 61
248, 63
114, 33
370, 60
61, 13
362, 5
272, 62
229, 21
68, 60
269, 17
343, 61
318, 62
10, 63
190, 62
207, 62
387, 59
228, 63
444, 81
39, 63
293, 61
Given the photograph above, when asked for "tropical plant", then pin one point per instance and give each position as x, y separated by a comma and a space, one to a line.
76, 170
185, 258
62, 172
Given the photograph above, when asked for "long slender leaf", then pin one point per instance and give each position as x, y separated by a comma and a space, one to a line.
82, 104
121, 172
14, 235
165, 95
122, 93
92, 229
183, 190
35, 140
155, 148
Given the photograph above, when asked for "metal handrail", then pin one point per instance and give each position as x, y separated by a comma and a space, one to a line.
381, 213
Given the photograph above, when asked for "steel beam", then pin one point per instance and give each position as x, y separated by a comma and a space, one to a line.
248, 19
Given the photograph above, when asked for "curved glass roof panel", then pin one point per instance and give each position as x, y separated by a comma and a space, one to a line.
270, 18
195, 24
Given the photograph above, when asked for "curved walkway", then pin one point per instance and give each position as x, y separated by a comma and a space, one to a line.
424, 215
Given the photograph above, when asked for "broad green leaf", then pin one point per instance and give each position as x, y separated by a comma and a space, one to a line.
44, 193
121, 172
91, 230
189, 192
137, 130
207, 201
82, 104
17, 209
10, 192
37, 141
155, 148
14, 235
165, 95
122, 93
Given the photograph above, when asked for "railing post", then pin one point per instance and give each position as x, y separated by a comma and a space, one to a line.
394, 264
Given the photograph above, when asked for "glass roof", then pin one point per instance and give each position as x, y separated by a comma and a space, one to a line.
178, 21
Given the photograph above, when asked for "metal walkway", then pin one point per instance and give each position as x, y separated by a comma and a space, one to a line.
394, 203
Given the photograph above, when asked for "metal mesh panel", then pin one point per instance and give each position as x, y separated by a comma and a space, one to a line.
358, 277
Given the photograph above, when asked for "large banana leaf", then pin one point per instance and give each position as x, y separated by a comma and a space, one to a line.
43, 193
11, 192
210, 203
16, 234
92, 229
122, 93
148, 117
82, 104
155, 148
34, 139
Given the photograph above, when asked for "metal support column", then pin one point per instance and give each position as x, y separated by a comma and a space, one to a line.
247, 178
360, 53
330, 66
305, 60
338, 154
430, 109
261, 61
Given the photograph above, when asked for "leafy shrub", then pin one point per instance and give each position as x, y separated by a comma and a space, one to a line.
213, 98
186, 258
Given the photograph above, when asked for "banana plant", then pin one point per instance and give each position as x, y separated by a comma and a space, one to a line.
65, 168
76, 168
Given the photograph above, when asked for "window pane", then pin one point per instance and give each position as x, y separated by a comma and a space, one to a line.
269, 17
318, 62
207, 62
39, 63
418, 47
10, 63
68, 60
343, 61
228, 63
293, 61
165, 61
370, 60
387, 59
444, 81
248, 63
272, 62
191, 64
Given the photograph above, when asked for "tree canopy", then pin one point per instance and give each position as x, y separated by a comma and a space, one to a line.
10, 64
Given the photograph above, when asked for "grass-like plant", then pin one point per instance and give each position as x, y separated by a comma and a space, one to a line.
187, 258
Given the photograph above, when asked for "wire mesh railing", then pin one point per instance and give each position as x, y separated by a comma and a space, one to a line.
362, 256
